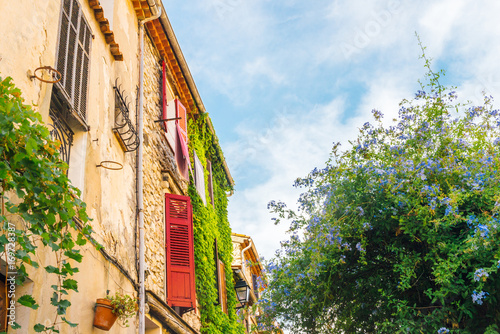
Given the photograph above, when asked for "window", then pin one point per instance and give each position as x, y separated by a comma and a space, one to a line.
73, 60
68, 104
179, 252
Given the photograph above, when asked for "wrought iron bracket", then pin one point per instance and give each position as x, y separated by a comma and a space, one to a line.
124, 130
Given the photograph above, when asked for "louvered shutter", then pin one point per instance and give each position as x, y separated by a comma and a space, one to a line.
220, 275
180, 252
73, 56
181, 112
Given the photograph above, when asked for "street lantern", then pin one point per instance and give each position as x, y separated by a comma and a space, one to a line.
242, 292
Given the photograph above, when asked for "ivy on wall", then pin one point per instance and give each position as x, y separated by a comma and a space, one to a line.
210, 223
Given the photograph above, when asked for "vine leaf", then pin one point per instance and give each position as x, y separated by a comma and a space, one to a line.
28, 301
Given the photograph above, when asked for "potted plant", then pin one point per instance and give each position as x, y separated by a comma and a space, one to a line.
107, 310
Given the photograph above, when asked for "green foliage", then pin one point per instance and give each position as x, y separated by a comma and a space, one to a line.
124, 306
210, 223
401, 232
45, 209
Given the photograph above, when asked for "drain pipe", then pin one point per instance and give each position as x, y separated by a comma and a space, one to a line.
243, 256
140, 201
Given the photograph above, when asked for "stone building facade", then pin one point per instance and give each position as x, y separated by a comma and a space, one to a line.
93, 111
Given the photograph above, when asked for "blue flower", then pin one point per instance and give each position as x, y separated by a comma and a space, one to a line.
477, 297
359, 248
480, 274
443, 330
361, 211
482, 230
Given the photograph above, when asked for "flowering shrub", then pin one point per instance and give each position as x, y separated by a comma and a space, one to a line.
399, 233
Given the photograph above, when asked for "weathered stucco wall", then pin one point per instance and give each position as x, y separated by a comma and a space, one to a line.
29, 40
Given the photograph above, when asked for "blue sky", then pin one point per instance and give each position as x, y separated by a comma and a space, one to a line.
284, 80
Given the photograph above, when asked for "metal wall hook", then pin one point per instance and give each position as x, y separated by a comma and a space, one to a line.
111, 165
54, 73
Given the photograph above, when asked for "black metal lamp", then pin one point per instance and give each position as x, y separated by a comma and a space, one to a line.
242, 292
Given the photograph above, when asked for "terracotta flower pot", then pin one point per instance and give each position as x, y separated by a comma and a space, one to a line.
104, 317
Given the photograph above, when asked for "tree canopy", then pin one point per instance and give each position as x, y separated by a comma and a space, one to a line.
400, 232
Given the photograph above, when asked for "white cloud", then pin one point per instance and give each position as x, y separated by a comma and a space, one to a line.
290, 147
260, 67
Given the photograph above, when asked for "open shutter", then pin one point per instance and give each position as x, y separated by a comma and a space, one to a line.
73, 56
222, 286
173, 110
181, 112
180, 252
220, 275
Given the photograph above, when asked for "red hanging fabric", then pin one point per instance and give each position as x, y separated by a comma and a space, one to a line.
182, 154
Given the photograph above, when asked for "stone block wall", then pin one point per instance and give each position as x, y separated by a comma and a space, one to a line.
160, 176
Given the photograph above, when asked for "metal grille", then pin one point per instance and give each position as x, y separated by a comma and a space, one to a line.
73, 55
62, 133
179, 245
124, 129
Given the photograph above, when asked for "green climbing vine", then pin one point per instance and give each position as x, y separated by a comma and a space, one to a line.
41, 209
210, 223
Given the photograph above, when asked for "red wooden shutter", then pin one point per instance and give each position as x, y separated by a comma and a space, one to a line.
180, 251
164, 94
